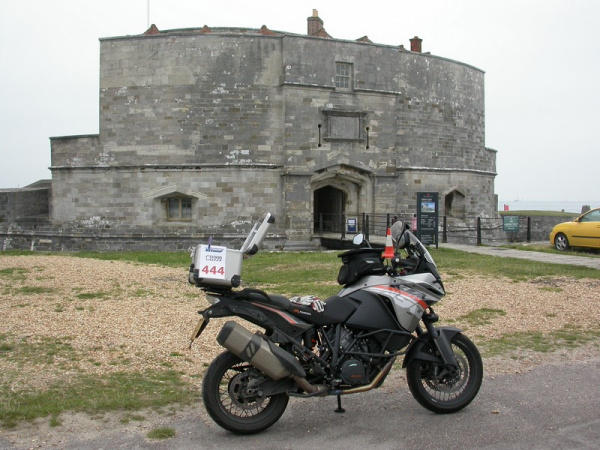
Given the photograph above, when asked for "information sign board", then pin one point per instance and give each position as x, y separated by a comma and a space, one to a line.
511, 223
351, 223
427, 217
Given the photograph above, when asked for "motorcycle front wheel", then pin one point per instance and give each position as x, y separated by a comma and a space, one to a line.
448, 393
232, 400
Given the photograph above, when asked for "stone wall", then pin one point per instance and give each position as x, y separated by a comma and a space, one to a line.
105, 239
241, 121
541, 226
127, 198
23, 204
100, 236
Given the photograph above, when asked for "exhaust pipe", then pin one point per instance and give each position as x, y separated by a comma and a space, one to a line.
262, 354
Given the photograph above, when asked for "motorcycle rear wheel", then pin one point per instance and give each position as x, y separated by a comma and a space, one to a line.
231, 402
450, 393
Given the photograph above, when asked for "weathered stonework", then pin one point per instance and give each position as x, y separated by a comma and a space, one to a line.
243, 121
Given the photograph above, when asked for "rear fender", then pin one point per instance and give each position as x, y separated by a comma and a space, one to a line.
227, 307
416, 350
267, 317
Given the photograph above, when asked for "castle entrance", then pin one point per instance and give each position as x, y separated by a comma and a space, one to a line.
338, 192
329, 209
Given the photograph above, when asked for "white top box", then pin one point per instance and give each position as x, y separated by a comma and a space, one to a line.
220, 266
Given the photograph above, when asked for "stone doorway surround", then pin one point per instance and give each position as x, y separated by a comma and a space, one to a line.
355, 184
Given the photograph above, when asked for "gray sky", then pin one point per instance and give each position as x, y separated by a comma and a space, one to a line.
541, 58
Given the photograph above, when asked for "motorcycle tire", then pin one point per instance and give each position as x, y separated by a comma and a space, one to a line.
450, 393
228, 402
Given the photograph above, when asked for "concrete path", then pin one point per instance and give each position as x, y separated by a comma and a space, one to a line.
550, 407
502, 252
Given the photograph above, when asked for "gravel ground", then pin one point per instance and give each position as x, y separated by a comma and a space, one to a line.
123, 316
120, 316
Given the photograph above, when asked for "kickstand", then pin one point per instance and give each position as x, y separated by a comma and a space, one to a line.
339, 408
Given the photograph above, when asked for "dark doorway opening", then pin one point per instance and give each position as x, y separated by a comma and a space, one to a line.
329, 209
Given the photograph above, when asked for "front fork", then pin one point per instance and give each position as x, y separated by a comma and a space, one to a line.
442, 344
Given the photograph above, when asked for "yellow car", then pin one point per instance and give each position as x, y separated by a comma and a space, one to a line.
581, 232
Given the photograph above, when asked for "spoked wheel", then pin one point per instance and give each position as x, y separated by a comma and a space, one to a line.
448, 393
233, 399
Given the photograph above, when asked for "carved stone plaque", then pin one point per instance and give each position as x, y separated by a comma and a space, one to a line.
344, 127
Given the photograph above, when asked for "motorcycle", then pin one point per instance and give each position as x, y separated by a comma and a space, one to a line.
346, 344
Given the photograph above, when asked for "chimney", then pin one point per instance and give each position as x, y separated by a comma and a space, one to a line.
415, 44
152, 31
315, 24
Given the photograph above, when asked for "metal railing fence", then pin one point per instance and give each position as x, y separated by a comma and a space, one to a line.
465, 230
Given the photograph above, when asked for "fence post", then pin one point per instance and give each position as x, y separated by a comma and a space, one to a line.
479, 231
343, 226
444, 230
528, 229
387, 222
367, 227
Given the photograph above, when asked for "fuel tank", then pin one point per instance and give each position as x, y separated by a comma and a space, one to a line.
406, 298
372, 312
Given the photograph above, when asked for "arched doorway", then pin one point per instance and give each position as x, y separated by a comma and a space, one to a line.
329, 209
454, 203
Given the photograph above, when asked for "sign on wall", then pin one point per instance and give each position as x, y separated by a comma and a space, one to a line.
351, 224
427, 217
511, 223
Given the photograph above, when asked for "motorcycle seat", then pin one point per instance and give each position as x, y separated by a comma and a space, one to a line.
256, 295
337, 309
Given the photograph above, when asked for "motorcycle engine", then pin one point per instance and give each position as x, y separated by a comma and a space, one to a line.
353, 372
355, 369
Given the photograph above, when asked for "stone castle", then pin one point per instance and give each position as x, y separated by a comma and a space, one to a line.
202, 130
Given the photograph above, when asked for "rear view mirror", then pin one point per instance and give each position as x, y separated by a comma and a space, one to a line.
358, 239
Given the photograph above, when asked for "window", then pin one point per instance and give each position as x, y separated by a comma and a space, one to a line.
179, 209
343, 75
592, 216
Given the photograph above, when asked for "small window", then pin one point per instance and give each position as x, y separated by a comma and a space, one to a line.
343, 76
179, 209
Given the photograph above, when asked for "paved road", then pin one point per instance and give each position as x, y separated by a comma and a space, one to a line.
551, 407
532, 256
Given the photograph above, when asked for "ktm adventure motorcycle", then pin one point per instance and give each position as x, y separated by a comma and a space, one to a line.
346, 344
